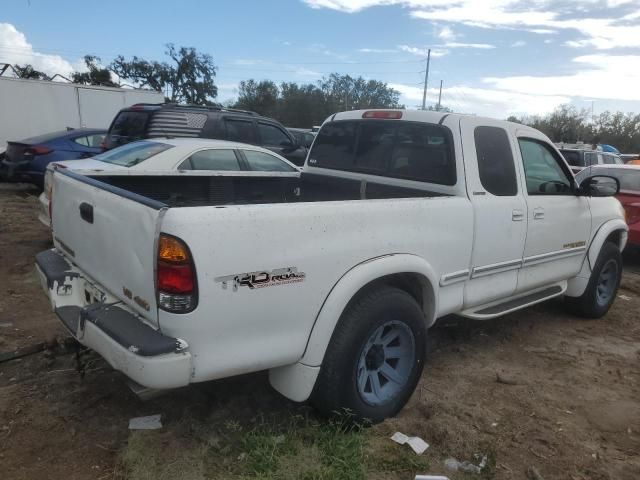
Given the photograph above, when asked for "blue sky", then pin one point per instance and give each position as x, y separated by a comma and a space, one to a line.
496, 57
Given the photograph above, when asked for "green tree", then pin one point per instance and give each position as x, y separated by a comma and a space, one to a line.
188, 78
96, 74
260, 97
308, 104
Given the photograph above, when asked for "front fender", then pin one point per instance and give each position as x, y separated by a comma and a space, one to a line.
578, 284
603, 233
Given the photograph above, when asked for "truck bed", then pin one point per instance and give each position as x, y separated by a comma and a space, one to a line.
197, 190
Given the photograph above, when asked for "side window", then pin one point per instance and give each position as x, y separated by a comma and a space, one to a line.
542, 169
495, 161
211, 160
573, 158
272, 135
264, 162
590, 159
240, 131
611, 159
91, 141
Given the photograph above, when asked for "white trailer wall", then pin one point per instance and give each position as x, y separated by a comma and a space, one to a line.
34, 107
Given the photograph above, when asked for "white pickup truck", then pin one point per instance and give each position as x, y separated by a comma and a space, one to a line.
330, 280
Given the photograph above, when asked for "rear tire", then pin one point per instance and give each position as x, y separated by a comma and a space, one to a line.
602, 287
375, 357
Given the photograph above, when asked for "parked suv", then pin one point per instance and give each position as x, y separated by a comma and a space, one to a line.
579, 159
145, 120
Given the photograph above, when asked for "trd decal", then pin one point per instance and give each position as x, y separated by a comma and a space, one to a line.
279, 276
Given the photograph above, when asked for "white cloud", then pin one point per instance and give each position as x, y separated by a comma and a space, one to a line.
518, 43
446, 34
422, 52
483, 101
541, 17
15, 49
376, 50
483, 46
596, 76
305, 72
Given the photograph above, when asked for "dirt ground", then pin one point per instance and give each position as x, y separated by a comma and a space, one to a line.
567, 405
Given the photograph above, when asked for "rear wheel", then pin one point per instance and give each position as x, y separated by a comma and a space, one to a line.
602, 287
375, 357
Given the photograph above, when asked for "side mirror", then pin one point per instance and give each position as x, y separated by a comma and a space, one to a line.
600, 186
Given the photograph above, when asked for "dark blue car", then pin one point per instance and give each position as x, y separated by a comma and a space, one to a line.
27, 159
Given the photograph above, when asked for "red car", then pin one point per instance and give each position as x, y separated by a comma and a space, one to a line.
629, 196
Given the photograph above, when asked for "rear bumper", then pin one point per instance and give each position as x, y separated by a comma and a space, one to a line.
130, 345
20, 171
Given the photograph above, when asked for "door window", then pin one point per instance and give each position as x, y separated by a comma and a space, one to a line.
272, 135
264, 162
240, 131
590, 159
211, 160
543, 170
90, 141
495, 161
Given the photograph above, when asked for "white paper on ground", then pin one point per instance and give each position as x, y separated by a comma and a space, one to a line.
152, 422
416, 443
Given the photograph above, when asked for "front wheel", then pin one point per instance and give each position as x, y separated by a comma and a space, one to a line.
602, 287
375, 357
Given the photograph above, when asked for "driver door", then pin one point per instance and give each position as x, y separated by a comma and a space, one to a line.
559, 221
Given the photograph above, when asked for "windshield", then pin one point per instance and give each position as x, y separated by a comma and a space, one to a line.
132, 153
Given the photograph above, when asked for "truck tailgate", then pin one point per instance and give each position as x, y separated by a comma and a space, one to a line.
110, 234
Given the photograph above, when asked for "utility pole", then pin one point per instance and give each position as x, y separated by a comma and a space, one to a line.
439, 97
426, 79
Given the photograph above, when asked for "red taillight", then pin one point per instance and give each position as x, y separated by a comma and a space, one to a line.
175, 275
385, 114
37, 150
175, 278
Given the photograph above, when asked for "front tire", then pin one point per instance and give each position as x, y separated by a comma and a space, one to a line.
375, 357
602, 287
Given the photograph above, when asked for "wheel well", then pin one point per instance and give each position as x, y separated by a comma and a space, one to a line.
415, 284
615, 237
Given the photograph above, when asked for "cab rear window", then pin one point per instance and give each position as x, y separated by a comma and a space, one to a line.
409, 150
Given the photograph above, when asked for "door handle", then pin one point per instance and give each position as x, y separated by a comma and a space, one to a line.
86, 212
538, 213
517, 215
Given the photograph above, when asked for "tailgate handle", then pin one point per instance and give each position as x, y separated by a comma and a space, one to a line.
86, 212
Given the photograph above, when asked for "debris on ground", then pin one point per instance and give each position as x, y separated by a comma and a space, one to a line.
430, 477
151, 422
416, 443
533, 474
456, 465
505, 380
6, 324
624, 297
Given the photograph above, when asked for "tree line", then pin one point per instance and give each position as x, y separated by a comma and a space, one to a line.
188, 76
570, 125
